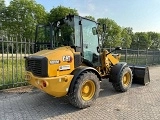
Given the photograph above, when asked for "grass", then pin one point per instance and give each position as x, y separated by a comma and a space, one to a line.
12, 73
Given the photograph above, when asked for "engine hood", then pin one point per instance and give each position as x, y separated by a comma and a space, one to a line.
60, 60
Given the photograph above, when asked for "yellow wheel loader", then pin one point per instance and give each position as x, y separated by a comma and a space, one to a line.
69, 61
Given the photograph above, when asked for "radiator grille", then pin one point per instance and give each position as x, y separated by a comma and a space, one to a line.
38, 66
35, 66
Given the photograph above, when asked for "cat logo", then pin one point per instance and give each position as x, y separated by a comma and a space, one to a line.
67, 58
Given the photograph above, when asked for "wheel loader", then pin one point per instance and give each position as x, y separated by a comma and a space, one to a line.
70, 61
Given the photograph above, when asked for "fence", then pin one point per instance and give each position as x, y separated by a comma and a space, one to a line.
140, 57
12, 63
13, 50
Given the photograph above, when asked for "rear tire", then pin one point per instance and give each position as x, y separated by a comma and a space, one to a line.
124, 80
85, 91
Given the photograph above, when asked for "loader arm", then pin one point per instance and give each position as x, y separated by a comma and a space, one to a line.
108, 59
112, 59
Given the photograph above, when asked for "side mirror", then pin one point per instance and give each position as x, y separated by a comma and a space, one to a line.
118, 48
94, 31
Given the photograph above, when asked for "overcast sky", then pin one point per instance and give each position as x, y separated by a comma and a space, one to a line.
141, 15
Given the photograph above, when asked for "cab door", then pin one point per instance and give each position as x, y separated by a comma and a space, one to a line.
90, 42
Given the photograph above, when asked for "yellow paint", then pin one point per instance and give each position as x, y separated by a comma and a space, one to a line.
55, 86
57, 54
112, 59
88, 90
107, 61
126, 79
58, 81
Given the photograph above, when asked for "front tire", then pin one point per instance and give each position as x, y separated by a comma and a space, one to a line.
124, 80
85, 91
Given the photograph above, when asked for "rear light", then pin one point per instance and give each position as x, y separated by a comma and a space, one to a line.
43, 84
70, 60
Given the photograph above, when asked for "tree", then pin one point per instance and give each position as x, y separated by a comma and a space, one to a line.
2, 5
113, 35
155, 40
21, 17
142, 41
60, 12
134, 42
126, 37
2, 8
90, 17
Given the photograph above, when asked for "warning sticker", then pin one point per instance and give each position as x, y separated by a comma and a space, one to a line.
64, 67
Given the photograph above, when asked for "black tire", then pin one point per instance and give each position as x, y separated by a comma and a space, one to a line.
120, 85
76, 96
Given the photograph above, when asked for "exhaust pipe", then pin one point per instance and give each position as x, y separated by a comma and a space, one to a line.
140, 75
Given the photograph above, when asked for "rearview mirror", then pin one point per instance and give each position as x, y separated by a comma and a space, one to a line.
94, 31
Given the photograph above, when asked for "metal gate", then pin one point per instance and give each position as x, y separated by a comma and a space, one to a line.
140, 57
12, 52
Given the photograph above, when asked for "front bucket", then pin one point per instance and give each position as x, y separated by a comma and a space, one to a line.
140, 75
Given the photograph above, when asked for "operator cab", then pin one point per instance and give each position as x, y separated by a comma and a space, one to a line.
75, 31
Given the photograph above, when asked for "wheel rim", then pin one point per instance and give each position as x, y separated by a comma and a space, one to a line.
88, 90
126, 79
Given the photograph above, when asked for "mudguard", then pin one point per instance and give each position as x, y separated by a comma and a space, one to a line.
115, 71
140, 74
